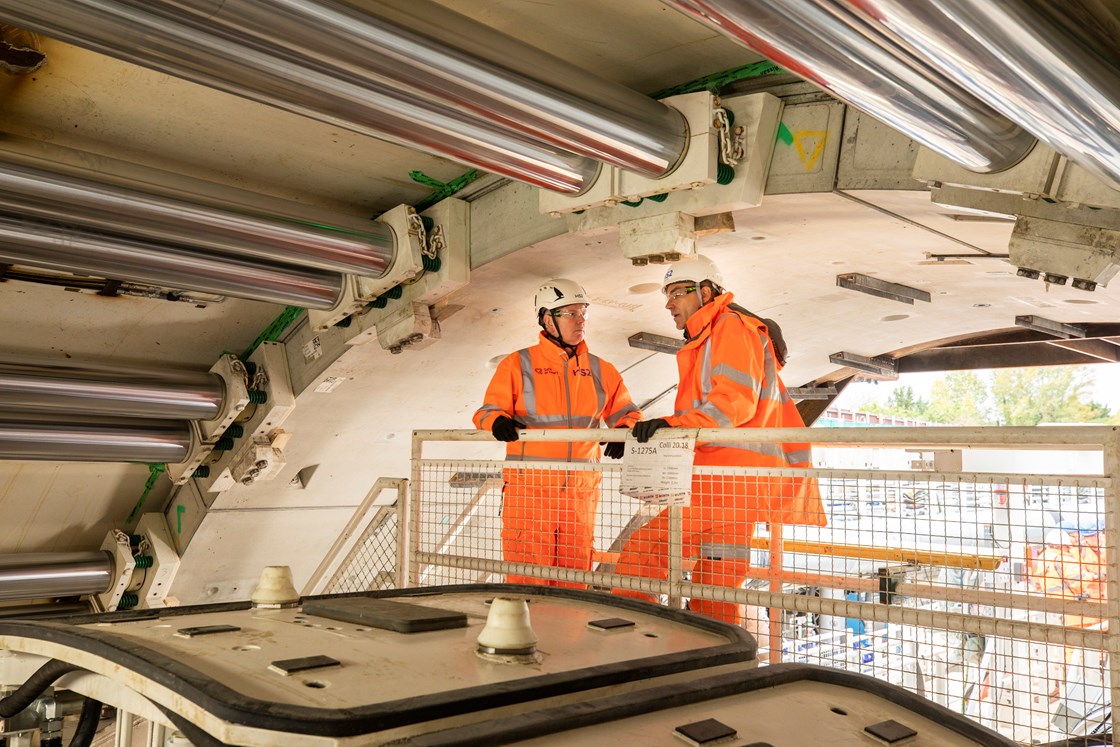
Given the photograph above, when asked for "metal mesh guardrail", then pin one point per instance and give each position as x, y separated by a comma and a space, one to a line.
988, 592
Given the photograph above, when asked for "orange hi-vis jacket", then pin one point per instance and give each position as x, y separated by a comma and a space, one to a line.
729, 379
543, 387
548, 515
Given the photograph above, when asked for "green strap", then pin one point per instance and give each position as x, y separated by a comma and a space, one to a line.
154, 471
717, 81
421, 178
441, 189
274, 330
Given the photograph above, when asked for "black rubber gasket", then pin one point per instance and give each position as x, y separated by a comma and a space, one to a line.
558, 719
237, 708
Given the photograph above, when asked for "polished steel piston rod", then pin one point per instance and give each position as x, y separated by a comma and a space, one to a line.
414, 73
184, 395
156, 441
822, 41
61, 194
65, 248
54, 574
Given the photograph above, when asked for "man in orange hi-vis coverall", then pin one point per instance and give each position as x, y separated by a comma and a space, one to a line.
548, 516
728, 372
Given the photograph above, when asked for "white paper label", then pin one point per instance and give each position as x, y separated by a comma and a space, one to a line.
328, 384
659, 471
312, 349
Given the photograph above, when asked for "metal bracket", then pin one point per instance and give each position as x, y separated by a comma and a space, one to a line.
656, 343
811, 392
889, 578
881, 365
888, 584
1051, 327
881, 288
119, 546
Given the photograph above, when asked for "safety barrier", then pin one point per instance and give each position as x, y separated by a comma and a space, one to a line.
990, 591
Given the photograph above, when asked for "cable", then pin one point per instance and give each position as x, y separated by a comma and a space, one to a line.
26, 693
88, 720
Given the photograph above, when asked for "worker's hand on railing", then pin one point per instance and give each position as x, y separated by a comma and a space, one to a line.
505, 429
644, 429
613, 449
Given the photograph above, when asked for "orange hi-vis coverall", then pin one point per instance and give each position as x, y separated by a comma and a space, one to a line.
548, 516
1073, 570
728, 379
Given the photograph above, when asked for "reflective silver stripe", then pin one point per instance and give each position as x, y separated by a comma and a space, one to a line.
799, 456
612, 421
597, 377
488, 411
717, 415
742, 378
696, 405
551, 421
706, 369
526, 458
528, 390
770, 389
774, 450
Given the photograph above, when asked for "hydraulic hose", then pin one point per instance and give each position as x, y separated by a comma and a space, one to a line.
26, 693
88, 720
197, 736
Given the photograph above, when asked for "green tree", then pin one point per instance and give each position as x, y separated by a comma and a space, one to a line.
1014, 396
961, 398
1053, 394
901, 401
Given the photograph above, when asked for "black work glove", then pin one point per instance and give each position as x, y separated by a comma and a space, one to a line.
505, 429
613, 449
644, 429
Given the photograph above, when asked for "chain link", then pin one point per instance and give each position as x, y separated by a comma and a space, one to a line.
732, 143
416, 223
436, 242
260, 377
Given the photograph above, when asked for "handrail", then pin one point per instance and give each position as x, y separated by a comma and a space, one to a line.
382, 484
1067, 437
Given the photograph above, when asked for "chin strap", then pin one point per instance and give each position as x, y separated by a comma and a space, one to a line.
556, 339
570, 349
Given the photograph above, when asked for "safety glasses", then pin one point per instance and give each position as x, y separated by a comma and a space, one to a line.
582, 313
680, 293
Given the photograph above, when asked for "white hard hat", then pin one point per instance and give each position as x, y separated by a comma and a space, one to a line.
559, 292
693, 270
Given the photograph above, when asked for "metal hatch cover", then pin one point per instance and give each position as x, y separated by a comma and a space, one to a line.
386, 614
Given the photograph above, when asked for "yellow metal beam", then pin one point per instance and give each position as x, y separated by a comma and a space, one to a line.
865, 552
886, 554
